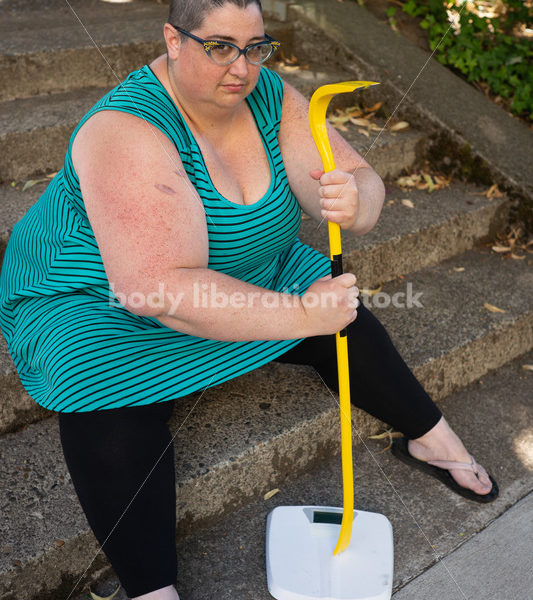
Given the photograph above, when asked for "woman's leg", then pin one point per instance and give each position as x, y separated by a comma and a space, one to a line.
382, 384
380, 381
110, 454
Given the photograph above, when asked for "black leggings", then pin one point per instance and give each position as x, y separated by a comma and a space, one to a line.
110, 453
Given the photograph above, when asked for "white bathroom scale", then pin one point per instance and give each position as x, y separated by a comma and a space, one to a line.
300, 564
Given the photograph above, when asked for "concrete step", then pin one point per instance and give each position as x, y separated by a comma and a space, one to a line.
57, 49
262, 425
442, 224
35, 131
57, 61
493, 416
388, 152
49, 47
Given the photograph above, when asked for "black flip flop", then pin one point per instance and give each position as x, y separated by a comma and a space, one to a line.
400, 450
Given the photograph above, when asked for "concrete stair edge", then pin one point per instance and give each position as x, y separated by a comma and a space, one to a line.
47, 66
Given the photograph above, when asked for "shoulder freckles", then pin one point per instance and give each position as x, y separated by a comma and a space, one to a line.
294, 104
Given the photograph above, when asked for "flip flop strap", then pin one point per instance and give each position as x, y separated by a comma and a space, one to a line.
451, 464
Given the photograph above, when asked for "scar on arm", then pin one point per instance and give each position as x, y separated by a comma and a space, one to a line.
164, 188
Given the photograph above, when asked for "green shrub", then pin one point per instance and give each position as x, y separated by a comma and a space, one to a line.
482, 49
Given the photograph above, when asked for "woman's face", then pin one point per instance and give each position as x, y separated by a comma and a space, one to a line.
198, 78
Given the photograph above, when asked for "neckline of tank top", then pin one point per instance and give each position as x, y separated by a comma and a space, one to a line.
255, 204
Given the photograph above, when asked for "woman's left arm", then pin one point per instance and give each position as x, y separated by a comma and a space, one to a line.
352, 201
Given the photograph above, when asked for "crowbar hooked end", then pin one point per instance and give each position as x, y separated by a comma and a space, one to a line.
332, 89
317, 114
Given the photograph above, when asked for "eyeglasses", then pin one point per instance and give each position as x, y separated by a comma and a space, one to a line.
225, 53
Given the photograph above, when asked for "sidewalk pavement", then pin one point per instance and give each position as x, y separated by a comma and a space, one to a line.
496, 564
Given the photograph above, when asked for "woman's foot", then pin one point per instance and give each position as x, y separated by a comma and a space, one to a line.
441, 443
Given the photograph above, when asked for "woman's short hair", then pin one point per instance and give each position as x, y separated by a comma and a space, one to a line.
190, 14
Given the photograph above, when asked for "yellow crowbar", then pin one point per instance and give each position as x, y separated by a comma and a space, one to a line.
317, 119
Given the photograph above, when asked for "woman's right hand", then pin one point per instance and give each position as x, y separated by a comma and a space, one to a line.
330, 303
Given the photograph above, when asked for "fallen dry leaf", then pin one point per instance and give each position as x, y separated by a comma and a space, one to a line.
510, 242
360, 122
340, 119
387, 434
423, 181
29, 184
290, 68
494, 192
442, 181
375, 107
269, 495
493, 308
370, 292
400, 126
407, 202
353, 111
293, 59
527, 367
408, 180
459, 269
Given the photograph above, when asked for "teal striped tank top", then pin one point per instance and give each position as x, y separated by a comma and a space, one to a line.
75, 347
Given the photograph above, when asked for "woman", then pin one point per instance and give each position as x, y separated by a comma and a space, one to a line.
163, 259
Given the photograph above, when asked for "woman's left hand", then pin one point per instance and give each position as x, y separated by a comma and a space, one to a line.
339, 197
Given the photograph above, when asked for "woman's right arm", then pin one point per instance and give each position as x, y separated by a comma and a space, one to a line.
216, 306
150, 227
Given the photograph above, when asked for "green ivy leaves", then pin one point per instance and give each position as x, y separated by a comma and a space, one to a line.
482, 49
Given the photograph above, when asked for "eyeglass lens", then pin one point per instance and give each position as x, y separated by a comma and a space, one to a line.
224, 53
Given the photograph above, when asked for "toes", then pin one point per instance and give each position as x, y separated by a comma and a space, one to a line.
479, 484
484, 479
483, 487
